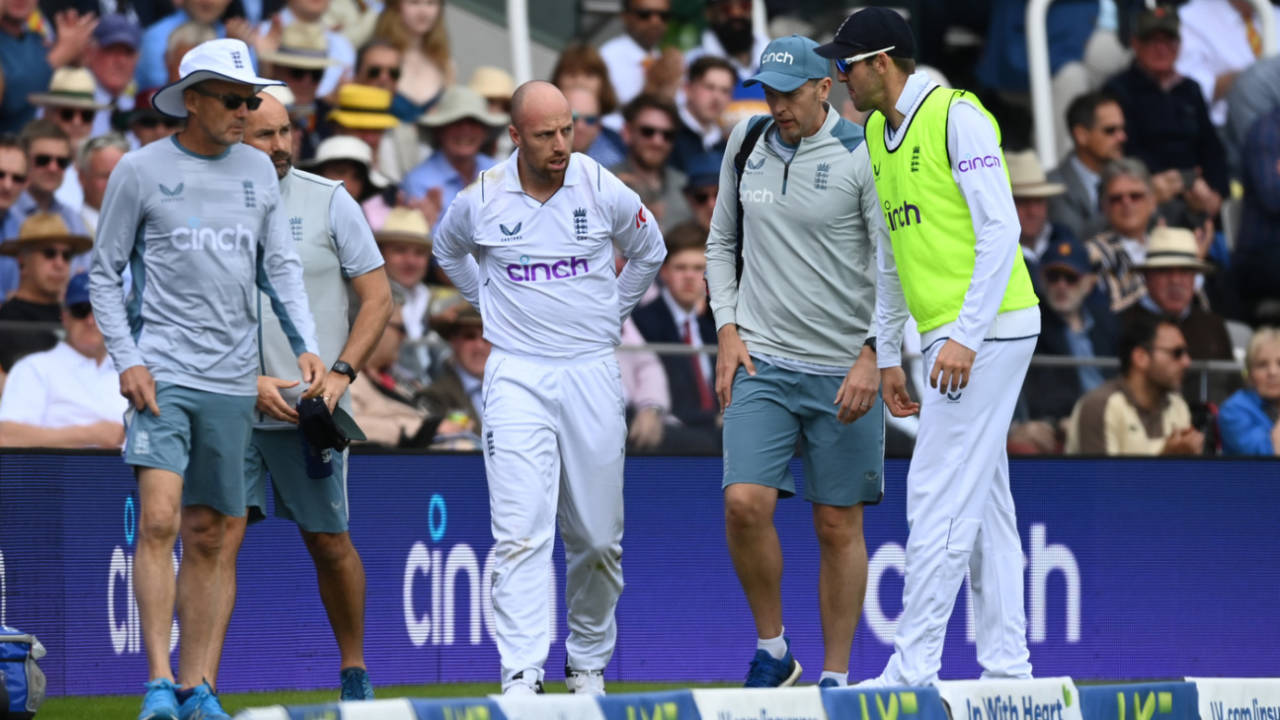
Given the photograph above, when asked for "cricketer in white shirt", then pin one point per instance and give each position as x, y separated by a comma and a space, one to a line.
535, 255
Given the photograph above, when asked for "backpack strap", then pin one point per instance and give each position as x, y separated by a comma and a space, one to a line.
754, 131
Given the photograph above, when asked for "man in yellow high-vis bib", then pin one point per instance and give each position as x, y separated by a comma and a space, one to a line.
953, 262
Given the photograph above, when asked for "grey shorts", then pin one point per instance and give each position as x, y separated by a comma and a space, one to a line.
199, 435
315, 504
773, 411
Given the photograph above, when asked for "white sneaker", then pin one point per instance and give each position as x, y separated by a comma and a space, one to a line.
584, 682
525, 682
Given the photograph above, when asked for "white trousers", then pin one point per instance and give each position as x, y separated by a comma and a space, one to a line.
555, 437
961, 516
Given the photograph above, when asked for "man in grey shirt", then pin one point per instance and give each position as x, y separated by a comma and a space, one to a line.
337, 248
196, 220
798, 322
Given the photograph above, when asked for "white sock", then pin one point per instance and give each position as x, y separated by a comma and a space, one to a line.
842, 679
776, 647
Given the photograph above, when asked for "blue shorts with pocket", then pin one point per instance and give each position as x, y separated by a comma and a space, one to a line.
317, 505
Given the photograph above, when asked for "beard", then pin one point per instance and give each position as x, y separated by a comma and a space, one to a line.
735, 35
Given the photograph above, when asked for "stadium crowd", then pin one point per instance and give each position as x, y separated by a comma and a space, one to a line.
1155, 239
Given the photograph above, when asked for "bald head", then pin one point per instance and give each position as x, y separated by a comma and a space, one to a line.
270, 130
536, 101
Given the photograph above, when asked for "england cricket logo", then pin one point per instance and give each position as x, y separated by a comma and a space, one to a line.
580, 223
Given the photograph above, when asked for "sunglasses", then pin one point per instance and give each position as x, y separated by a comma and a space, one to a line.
647, 15
151, 123
648, 131
1052, 277
843, 64
1112, 129
1133, 197
69, 115
80, 311
373, 72
700, 197
231, 101
42, 160
51, 253
1177, 353
588, 119
5, 175
301, 74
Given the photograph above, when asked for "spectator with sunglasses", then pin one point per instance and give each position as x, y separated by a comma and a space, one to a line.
1097, 128
417, 29
629, 56
588, 132
146, 124
70, 103
69, 396
1128, 203
302, 62
49, 155
322, 43
378, 65
94, 164
650, 133
43, 247
702, 105
1140, 412
27, 62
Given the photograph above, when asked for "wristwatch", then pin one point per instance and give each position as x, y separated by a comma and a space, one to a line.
345, 369
870, 342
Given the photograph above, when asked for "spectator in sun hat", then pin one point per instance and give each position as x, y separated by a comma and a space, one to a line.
457, 127
112, 58
1031, 193
43, 247
68, 396
456, 391
333, 45
496, 86
70, 102
363, 111
349, 160
301, 62
405, 242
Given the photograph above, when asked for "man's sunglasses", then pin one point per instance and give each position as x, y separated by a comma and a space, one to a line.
43, 160
80, 311
69, 115
303, 74
5, 175
1112, 129
700, 197
647, 15
843, 64
151, 123
1133, 197
1053, 277
588, 119
373, 72
1177, 353
52, 253
648, 131
231, 101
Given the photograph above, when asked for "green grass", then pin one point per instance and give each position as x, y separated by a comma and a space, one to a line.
125, 707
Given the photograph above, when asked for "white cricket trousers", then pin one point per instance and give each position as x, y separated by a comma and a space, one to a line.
961, 516
555, 438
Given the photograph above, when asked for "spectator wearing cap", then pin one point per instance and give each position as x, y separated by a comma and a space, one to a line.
1073, 323
146, 124
349, 160
43, 247
589, 133
1129, 208
1250, 419
153, 69
112, 58
405, 242
703, 187
1096, 124
702, 105
1257, 253
458, 127
1167, 122
49, 155
496, 86
1140, 412
27, 63
310, 37
1169, 271
1031, 194
1220, 38
456, 392
650, 134
629, 55
94, 164
68, 396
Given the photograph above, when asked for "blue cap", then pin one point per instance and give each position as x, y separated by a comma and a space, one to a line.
78, 289
117, 30
789, 62
1069, 254
703, 170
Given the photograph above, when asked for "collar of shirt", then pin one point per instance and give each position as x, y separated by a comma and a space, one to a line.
470, 383
682, 318
26, 206
1146, 302
1135, 249
511, 172
1088, 178
710, 135
1041, 243
913, 92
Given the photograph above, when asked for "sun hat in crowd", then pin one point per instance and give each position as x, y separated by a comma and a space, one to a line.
364, 107
1027, 176
41, 229
459, 103
492, 83
350, 149
303, 46
1172, 247
222, 59
69, 87
405, 225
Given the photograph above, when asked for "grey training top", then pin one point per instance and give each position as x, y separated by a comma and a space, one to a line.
200, 236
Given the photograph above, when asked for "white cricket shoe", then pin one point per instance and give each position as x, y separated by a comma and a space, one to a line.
525, 682
584, 682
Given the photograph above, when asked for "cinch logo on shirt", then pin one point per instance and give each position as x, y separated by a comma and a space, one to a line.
553, 270
900, 217
210, 238
977, 163
757, 196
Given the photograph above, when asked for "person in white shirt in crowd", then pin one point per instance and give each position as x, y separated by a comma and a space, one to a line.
530, 244
332, 46
1220, 39
629, 55
702, 105
730, 35
67, 397
112, 58
94, 163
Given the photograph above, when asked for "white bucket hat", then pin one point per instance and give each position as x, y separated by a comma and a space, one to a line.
346, 147
223, 59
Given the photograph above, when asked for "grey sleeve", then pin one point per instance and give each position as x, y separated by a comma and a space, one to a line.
722, 269
279, 275
873, 220
357, 250
118, 231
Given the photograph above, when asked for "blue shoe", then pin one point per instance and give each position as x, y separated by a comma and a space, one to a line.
159, 703
828, 683
202, 705
768, 672
356, 685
